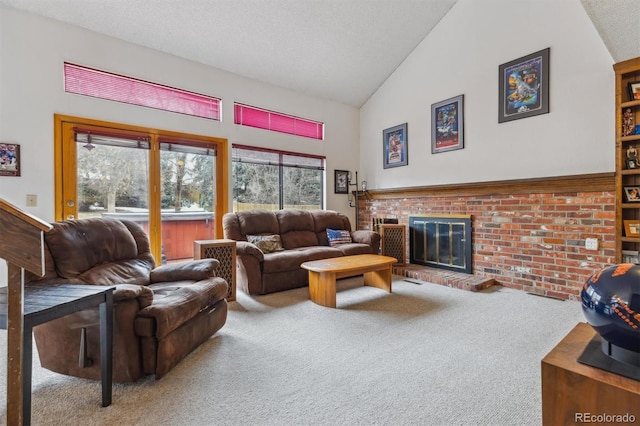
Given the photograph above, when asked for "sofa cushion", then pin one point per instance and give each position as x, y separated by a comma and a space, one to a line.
176, 303
256, 222
324, 219
350, 249
266, 243
320, 252
296, 228
287, 260
79, 245
338, 236
132, 271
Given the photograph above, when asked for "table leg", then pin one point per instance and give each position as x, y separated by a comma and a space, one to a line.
106, 347
27, 358
380, 279
322, 288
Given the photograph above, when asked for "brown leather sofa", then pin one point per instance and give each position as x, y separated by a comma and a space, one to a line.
160, 314
303, 237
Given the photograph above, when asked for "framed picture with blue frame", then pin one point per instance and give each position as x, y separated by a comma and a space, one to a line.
394, 146
524, 87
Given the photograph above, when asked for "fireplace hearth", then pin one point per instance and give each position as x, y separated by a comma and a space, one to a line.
441, 241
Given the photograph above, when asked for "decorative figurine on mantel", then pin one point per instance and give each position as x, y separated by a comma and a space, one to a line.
628, 126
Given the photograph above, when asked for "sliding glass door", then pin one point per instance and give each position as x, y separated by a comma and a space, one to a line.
172, 184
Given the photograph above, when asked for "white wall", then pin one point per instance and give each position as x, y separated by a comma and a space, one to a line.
461, 56
32, 52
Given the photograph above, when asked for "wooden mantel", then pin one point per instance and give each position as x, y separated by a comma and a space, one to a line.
22, 246
573, 183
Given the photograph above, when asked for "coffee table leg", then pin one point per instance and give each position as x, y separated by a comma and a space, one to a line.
380, 279
322, 288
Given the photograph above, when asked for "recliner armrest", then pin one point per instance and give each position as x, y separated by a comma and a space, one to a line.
195, 270
143, 294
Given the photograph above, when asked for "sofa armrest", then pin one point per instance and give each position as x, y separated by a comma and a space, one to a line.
194, 270
244, 248
364, 236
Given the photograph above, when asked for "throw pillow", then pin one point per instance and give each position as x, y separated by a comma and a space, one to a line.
266, 243
338, 236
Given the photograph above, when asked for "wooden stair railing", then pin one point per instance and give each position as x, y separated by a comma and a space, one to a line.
22, 246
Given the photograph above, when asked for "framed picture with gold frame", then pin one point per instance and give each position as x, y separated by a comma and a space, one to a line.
632, 228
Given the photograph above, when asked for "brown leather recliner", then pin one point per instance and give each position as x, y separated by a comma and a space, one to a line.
160, 314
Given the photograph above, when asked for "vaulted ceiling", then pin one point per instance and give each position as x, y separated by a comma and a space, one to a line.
341, 50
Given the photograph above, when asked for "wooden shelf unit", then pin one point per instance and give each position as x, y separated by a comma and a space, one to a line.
626, 72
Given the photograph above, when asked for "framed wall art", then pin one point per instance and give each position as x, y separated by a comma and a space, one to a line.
341, 181
9, 159
634, 91
394, 146
632, 194
447, 125
524, 87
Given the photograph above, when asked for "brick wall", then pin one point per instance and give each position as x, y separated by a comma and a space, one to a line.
533, 242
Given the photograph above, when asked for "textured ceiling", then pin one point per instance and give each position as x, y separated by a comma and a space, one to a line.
341, 50
618, 22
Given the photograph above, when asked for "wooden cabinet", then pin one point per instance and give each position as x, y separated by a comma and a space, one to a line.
572, 391
627, 171
225, 251
393, 239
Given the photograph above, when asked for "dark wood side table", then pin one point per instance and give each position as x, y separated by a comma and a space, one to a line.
48, 302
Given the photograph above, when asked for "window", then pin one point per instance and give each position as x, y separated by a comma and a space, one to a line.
114, 87
245, 115
273, 180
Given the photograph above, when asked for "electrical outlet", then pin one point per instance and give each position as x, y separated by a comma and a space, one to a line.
591, 244
32, 200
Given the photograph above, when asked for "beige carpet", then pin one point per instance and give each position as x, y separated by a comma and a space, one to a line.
424, 355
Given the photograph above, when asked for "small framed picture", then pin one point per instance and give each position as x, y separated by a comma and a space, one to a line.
524, 87
9, 159
632, 228
632, 163
634, 91
341, 181
447, 125
394, 146
632, 194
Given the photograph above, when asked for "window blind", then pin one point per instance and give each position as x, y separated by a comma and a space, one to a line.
104, 85
246, 115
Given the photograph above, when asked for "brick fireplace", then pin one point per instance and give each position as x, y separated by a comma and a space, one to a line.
526, 234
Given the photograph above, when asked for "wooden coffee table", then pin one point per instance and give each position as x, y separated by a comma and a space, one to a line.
324, 273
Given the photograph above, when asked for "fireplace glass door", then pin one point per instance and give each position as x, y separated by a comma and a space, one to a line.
441, 242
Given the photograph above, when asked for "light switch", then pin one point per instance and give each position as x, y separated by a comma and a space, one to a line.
32, 200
